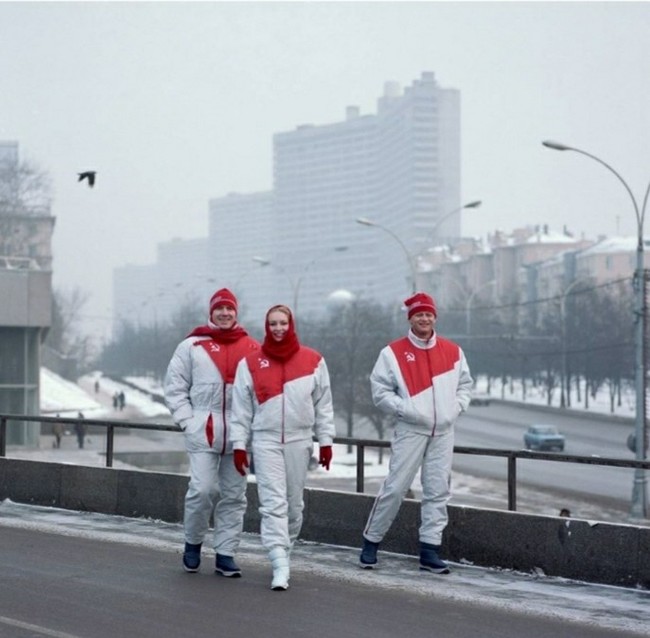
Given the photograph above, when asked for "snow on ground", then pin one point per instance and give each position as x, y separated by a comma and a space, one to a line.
64, 397
140, 401
601, 404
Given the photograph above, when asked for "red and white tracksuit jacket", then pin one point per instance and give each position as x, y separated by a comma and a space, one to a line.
425, 385
199, 398
278, 407
197, 394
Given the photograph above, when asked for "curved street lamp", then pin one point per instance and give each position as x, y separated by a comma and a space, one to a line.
296, 283
364, 221
639, 504
440, 220
260, 261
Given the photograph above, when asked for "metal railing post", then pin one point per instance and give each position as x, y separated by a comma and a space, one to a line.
3, 436
110, 433
360, 468
512, 483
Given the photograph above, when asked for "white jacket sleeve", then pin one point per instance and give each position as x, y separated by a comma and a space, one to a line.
324, 427
465, 382
178, 381
243, 407
384, 386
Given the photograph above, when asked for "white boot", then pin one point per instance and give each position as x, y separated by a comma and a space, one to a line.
280, 563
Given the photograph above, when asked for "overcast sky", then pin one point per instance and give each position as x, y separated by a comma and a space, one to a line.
176, 103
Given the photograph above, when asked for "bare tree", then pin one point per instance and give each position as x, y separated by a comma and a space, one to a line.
25, 189
65, 348
350, 340
146, 350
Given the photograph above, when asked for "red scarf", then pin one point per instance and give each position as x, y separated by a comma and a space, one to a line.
280, 350
220, 336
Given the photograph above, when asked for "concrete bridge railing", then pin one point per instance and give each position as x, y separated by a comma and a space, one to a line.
571, 548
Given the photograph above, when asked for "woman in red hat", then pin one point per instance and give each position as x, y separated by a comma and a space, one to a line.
281, 398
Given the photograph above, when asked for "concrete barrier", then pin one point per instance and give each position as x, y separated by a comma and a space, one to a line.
570, 548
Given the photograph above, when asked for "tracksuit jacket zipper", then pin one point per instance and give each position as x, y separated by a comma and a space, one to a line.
282, 416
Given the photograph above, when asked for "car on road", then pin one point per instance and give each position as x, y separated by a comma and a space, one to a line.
544, 437
480, 398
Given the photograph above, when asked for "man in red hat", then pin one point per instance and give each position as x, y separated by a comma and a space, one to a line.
198, 391
423, 381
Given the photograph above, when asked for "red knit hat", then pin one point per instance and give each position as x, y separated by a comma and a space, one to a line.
223, 297
420, 302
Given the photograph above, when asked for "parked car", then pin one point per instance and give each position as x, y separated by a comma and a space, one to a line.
480, 398
543, 437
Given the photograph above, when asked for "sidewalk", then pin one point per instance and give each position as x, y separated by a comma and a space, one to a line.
133, 567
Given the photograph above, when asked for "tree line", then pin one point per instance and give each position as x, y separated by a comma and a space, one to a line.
581, 342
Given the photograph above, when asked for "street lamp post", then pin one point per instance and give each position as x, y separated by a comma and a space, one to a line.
638, 508
564, 391
259, 261
364, 221
296, 283
447, 215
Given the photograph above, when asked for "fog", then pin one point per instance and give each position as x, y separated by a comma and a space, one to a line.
176, 103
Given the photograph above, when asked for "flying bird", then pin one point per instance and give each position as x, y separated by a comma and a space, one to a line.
89, 175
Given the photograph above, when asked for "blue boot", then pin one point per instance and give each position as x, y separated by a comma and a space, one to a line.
430, 561
226, 566
192, 557
368, 557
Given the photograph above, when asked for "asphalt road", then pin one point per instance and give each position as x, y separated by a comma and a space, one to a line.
72, 587
502, 426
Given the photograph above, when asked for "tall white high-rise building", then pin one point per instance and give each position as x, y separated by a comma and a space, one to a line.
300, 242
399, 168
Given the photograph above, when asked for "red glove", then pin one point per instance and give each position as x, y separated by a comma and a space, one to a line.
241, 461
325, 456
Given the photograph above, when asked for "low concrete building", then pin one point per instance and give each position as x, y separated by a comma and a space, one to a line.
25, 302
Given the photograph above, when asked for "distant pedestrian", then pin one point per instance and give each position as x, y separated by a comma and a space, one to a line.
96, 386
121, 399
424, 382
80, 430
58, 429
116, 400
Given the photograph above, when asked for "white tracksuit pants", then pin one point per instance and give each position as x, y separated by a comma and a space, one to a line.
215, 488
410, 451
281, 473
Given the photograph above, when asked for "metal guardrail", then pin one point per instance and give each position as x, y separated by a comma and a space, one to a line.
361, 444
